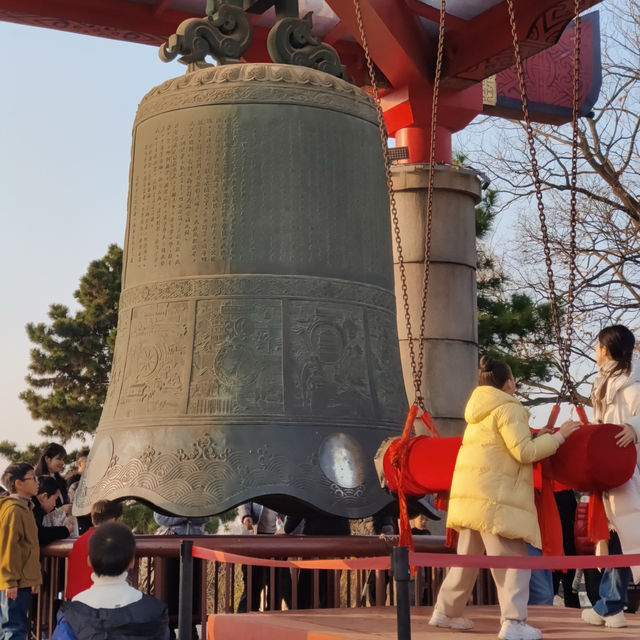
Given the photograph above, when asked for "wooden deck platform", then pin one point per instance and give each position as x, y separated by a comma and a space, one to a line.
379, 623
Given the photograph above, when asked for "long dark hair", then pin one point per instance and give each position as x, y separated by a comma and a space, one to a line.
493, 372
52, 450
619, 342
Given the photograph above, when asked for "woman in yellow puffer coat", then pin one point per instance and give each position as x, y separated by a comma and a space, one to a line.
492, 502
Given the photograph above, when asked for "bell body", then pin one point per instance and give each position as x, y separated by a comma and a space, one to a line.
257, 351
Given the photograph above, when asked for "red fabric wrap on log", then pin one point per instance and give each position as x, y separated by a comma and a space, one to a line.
592, 461
430, 464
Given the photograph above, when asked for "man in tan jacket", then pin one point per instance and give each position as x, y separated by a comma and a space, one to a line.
20, 574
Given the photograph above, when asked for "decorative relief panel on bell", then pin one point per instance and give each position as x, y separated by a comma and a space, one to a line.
159, 352
117, 367
326, 357
384, 366
237, 358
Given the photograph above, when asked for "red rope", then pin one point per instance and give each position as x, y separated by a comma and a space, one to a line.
430, 560
400, 466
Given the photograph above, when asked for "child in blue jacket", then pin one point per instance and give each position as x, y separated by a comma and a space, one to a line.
111, 608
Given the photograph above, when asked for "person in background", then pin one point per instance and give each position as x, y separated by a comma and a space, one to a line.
78, 567
494, 511
316, 524
616, 400
52, 463
44, 503
263, 521
541, 582
20, 574
111, 608
73, 480
180, 525
567, 504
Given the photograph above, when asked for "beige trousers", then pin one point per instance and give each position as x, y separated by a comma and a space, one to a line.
512, 584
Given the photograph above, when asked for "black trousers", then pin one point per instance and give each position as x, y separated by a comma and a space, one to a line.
260, 579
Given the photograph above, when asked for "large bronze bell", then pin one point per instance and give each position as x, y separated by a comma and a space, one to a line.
257, 351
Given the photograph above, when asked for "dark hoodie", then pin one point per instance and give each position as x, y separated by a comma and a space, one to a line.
46, 535
146, 619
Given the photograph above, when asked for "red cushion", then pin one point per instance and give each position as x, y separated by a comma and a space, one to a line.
590, 459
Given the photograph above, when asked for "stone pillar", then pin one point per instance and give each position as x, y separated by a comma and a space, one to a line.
451, 330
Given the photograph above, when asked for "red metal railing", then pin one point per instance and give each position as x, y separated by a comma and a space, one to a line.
217, 585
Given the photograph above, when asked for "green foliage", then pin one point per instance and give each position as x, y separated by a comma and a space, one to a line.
517, 330
31, 454
71, 362
139, 517
485, 213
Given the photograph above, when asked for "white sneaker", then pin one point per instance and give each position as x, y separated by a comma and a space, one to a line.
438, 619
518, 630
590, 616
616, 621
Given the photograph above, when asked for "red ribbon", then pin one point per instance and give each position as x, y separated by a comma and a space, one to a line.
597, 523
430, 560
400, 466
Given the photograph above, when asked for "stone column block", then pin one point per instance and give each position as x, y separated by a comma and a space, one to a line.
450, 336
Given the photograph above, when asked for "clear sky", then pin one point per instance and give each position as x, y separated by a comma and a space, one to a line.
68, 104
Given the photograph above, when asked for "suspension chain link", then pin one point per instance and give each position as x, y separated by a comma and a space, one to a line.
429, 216
416, 363
564, 345
570, 387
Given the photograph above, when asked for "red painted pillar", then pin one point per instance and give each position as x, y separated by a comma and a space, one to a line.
417, 141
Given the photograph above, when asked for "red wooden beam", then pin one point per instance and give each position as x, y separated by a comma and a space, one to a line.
116, 19
397, 41
160, 7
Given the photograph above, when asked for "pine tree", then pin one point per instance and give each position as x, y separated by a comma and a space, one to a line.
71, 362
510, 327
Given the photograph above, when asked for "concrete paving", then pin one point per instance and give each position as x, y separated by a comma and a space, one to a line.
379, 623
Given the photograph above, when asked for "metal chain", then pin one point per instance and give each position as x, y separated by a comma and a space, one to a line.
392, 197
563, 345
427, 236
416, 365
569, 386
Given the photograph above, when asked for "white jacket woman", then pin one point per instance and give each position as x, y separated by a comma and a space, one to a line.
616, 400
621, 405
